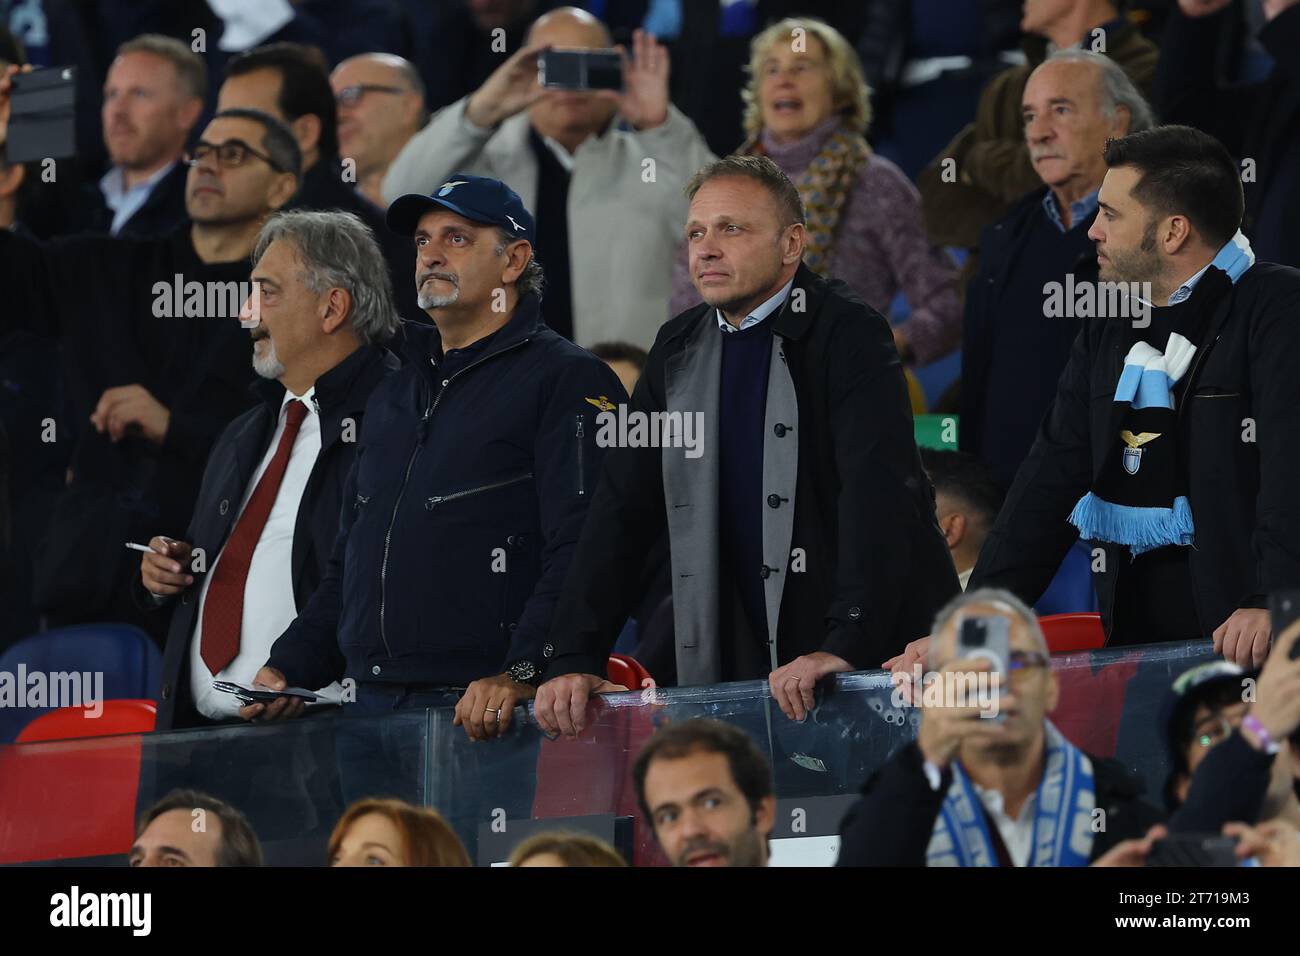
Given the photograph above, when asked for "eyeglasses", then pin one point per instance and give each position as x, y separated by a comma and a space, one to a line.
1217, 728
1021, 660
351, 95
231, 153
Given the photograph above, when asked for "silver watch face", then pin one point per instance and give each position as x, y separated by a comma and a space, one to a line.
523, 671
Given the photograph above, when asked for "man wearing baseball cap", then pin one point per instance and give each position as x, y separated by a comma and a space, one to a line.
470, 486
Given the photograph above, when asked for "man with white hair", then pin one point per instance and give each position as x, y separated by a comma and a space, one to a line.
268, 511
1015, 342
990, 781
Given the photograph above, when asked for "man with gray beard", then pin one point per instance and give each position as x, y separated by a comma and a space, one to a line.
266, 516
470, 487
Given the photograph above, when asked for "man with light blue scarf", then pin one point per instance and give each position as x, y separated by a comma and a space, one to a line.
990, 781
1173, 444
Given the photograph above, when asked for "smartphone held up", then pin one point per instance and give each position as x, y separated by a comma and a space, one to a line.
42, 117
580, 70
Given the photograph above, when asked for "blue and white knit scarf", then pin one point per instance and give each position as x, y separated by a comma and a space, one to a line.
1140, 496
1063, 812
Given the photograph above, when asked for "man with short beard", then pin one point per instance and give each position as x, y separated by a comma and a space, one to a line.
267, 513
470, 486
706, 790
149, 390
1172, 445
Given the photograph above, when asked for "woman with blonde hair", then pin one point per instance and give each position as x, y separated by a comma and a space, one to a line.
807, 108
383, 832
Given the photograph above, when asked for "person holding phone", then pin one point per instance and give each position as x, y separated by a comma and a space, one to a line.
265, 527
602, 170
151, 383
995, 786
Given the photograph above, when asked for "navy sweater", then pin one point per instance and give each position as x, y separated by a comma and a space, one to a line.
746, 356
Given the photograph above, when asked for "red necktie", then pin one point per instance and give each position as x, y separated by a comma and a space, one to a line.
223, 608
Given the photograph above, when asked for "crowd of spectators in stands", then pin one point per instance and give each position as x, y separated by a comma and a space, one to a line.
337, 307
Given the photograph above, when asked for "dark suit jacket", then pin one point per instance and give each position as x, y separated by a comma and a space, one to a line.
161, 213
892, 823
1242, 448
877, 568
341, 394
77, 206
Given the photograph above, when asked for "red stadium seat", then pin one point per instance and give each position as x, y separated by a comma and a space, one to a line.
1073, 632
67, 723
627, 671
73, 798
69, 798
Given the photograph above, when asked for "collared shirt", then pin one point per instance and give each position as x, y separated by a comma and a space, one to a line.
964, 578
1018, 834
124, 202
269, 605
1234, 257
1185, 290
759, 314
563, 155
1080, 209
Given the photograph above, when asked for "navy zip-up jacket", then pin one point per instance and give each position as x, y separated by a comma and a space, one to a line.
461, 513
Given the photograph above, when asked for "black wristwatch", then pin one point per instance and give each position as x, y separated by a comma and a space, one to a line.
525, 672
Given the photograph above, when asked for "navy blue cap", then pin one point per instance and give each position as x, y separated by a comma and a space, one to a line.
477, 198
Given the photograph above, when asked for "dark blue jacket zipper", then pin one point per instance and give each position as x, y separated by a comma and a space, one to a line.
410, 463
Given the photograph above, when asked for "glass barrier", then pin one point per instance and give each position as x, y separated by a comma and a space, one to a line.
75, 801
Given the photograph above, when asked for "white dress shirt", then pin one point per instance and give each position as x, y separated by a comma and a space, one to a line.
562, 155
1018, 834
759, 314
269, 605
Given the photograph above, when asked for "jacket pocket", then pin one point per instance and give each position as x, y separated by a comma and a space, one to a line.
434, 501
460, 587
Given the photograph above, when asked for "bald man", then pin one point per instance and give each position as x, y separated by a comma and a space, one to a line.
603, 172
380, 100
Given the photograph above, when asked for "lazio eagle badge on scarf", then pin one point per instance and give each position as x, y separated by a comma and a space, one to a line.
1140, 496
